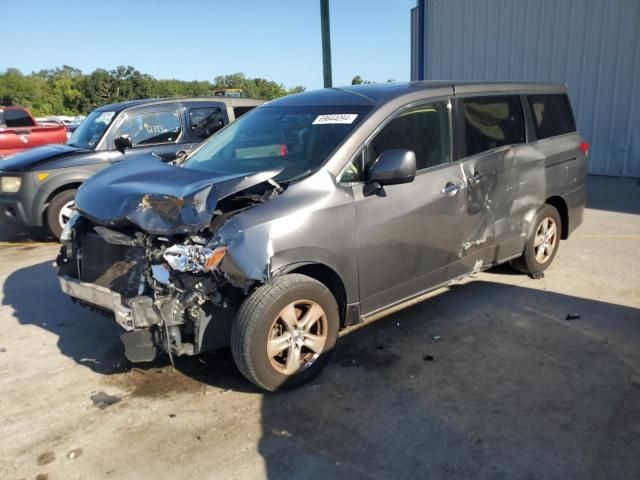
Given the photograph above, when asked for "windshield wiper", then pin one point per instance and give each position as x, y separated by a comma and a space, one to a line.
275, 185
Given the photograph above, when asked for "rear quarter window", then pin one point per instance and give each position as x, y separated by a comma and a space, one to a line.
552, 115
491, 122
239, 111
15, 118
205, 121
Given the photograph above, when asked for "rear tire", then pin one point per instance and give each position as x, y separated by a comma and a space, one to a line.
285, 332
542, 243
60, 208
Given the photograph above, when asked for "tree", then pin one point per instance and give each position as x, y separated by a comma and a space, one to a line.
67, 91
254, 87
358, 80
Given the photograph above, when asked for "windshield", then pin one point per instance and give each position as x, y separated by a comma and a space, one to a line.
90, 131
296, 139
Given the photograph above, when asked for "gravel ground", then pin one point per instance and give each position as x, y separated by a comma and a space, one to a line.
486, 380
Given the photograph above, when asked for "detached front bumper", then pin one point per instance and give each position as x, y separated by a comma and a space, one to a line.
102, 298
136, 317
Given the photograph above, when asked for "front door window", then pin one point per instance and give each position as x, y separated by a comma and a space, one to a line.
151, 128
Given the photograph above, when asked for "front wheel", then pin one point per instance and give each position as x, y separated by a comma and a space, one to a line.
61, 208
543, 242
285, 331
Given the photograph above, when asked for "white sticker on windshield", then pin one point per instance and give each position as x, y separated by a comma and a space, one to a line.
105, 117
335, 118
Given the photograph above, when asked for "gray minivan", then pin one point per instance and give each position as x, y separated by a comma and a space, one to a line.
322, 210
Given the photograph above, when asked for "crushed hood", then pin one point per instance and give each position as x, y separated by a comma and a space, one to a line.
159, 198
38, 156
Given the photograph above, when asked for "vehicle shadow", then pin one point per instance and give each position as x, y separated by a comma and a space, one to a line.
18, 234
88, 338
485, 380
93, 340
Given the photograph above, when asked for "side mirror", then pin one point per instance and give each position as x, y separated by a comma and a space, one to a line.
122, 143
392, 167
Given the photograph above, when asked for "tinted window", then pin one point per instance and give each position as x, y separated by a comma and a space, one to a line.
552, 115
205, 121
424, 130
492, 122
15, 118
239, 111
151, 127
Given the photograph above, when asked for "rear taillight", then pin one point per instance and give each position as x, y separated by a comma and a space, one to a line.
584, 146
283, 150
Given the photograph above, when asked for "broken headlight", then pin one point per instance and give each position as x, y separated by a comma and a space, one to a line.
194, 258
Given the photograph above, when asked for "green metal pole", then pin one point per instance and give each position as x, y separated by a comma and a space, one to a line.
326, 43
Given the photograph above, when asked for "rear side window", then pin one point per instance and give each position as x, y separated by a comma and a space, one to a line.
15, 118
205, 121
552, 115
492, 122
239, 111
423, 129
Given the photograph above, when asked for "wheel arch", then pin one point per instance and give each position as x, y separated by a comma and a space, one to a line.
52, 187
560, 205
53, 193
325, 275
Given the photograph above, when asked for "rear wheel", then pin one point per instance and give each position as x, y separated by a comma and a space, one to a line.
61, 208
543, 242
285, 331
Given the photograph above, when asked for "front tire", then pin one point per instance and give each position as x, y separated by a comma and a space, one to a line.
60, 209
285, 332
543, 242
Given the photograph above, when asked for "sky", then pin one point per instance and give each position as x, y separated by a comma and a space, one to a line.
198, 40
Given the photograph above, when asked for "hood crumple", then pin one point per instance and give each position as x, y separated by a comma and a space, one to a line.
159, 198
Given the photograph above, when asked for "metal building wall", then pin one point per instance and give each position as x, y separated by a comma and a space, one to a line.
591, 45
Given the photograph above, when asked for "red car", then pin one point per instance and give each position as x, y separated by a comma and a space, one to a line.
19, 131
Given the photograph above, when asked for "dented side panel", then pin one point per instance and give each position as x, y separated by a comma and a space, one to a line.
505, 189
312, 221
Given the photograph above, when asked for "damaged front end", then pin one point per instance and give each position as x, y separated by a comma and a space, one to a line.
154, 263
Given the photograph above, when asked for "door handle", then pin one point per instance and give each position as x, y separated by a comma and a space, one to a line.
450, 189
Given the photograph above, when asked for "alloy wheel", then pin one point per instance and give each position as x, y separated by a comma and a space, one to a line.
297, 337
66, 212
545, 240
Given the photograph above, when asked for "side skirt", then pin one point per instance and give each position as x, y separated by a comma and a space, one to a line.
354, 308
